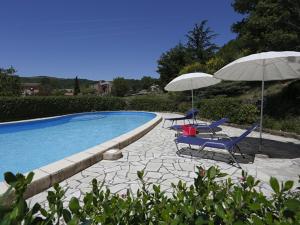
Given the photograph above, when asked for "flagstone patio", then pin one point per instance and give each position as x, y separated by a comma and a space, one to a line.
156, 153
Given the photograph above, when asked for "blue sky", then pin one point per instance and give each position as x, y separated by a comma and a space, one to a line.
101, 39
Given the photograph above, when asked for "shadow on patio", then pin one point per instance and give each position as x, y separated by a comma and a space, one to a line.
271, 148
249, 147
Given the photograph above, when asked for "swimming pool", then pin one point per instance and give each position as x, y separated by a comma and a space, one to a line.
25, 146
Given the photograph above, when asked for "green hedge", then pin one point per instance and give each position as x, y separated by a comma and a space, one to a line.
151, 103
234, 109
17, 108
213, 198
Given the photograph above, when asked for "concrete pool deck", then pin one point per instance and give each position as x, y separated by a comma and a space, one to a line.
156, 154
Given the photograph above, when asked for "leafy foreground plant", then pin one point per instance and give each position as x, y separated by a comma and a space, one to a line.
212, 199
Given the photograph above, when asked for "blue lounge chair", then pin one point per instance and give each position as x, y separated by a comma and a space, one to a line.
190, 115
227, 144
211, 127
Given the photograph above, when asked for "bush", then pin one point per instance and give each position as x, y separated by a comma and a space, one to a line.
212, 199
184, 107
234, 109
289, 124
34, 107
151, 103
285, 103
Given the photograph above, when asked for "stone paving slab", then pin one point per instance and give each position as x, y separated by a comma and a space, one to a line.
156, 154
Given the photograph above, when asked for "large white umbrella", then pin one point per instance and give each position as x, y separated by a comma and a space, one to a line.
191, 81
265, 66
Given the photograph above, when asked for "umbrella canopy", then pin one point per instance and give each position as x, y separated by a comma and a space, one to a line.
265, 66
191, 81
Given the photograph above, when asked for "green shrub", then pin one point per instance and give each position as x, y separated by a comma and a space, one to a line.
234, 109
34, 107
184, 107
285, 103
289, 124
151, 103
246, 113
212, 199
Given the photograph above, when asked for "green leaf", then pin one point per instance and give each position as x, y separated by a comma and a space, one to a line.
250, 181
274, 184
74, 221
74, 205
66, 215
44, 212
257, 220
10, 178
140, 174
36, 208
293, 205
29, 177
220, 211
211, 173
288, 185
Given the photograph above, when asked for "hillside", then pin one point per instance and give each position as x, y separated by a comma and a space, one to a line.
58, 83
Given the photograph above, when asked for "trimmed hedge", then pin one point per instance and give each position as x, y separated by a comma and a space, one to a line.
16, 108
151, 103
234, 109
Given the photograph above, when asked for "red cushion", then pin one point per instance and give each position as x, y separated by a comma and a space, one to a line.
189, 130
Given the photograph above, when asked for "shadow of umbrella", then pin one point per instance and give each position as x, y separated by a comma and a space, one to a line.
218, 155
272, 148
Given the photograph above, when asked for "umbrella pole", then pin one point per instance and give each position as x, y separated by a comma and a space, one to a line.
262, 107
193, 104
192, 98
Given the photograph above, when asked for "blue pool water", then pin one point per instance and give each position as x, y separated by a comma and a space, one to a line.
26, 146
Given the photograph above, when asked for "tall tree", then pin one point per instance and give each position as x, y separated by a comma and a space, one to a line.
268, 24
76, 86
9, 82
171, 62
200, 42
120, 87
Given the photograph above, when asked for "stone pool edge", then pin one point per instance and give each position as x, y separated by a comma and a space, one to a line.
46, 176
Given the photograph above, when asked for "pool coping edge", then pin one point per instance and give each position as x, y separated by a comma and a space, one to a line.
62, 169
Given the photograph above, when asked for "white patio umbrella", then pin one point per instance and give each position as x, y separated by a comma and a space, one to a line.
265, 66
191, 81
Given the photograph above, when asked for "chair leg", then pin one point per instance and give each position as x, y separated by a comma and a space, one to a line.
234, 159
163, 126
201, 148
176, 145
239, 149
178, 151
212, 130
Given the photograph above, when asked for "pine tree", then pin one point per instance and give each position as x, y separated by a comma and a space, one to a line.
200, 42
76, 86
